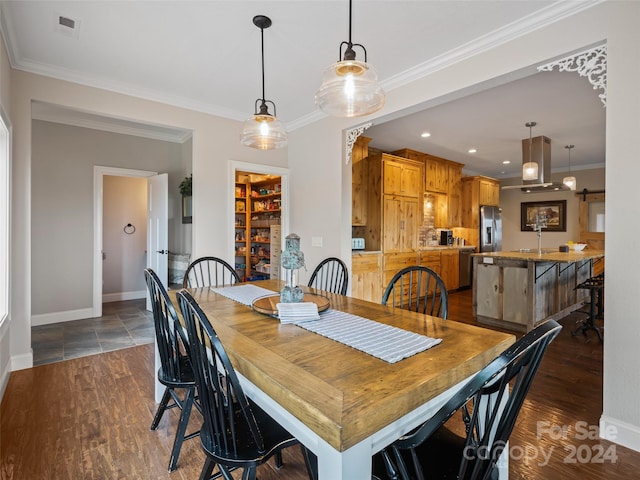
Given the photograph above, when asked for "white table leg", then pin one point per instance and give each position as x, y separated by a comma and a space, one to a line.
352, 464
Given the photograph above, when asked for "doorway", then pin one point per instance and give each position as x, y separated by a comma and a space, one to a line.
259, 216
99, 176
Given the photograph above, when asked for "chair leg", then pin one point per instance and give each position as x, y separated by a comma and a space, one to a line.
311, 462
279, 461
207, 469
166, 396
182, 428
249, 473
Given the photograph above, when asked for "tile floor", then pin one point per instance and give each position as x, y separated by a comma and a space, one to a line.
123, 324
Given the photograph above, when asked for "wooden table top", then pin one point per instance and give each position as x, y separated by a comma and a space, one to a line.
340, 393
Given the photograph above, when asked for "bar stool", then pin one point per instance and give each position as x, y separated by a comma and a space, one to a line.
595, 285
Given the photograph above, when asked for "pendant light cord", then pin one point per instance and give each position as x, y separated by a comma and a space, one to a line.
262, 50
350, 11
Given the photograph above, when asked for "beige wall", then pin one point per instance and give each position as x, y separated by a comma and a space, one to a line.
62, 222
5, 333
510, 200
125, 247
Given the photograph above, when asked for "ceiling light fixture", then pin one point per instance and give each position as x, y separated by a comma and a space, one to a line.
350, 88
530, 169
425, 135
506, 162
263, 130
569, 180
472, 150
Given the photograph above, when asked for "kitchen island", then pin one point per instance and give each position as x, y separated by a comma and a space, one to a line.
520, 289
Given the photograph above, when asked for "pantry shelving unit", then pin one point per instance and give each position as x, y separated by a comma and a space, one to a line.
257, 227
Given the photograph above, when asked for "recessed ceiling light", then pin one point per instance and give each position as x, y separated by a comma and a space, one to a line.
506, 162
425, 134
472, 150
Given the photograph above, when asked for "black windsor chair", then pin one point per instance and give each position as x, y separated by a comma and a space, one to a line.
418, 289
175, 371
209, 272
489, 412
235, 433
331, 275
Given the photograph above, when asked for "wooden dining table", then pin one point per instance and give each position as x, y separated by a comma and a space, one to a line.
341, 403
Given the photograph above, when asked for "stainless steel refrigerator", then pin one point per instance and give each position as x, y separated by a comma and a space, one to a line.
490, 229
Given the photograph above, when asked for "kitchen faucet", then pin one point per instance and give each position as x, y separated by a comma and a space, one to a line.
541, 222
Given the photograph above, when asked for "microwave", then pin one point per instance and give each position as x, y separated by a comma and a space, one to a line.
357, 244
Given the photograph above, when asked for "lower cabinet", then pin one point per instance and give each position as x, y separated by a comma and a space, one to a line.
450, 268
366, 276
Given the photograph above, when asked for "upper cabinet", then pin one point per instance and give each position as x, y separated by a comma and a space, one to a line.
394, 205
442, 180
489, 191
402, 178
477, 191
359, 181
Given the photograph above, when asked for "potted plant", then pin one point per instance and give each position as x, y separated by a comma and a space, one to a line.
185, 191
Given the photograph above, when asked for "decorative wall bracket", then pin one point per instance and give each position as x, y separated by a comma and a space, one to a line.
352, 136
591, 63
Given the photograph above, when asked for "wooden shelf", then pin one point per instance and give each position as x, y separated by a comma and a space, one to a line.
253, 227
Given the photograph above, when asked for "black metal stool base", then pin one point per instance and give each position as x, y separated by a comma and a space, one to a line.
586, 325
595, 285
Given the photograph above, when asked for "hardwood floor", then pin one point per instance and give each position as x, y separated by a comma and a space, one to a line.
89, 418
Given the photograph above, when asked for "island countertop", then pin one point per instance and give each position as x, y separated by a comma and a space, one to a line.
547, 255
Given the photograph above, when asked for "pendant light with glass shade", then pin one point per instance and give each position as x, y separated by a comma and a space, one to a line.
530, 169
350, 88
569, 180
263, 130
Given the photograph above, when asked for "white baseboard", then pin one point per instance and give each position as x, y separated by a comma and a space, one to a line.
4, 378
122, 296
620, 432
56, 317
20, 362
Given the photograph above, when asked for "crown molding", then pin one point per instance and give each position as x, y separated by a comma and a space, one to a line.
53, 113
547, 16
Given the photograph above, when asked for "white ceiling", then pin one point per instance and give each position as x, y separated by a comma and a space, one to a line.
205, 55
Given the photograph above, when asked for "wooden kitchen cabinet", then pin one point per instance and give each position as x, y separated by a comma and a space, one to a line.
393, 263
454, 195
477, 191
430, 259
443, 182
400, 223
450, 268
359, 181
394, 204
489, 192
437, 175
402, 178
366, 276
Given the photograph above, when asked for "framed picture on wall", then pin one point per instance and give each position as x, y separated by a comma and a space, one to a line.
552, 213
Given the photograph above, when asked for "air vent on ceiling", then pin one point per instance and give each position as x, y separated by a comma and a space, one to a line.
66, 22
66, 25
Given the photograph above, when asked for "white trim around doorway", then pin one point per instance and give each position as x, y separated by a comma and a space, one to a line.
98, 174
283, 173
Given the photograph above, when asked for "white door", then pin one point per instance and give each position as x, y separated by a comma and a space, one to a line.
158, 244
158, 241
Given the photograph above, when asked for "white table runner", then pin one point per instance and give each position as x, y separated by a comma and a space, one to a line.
382, 341
244, 294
